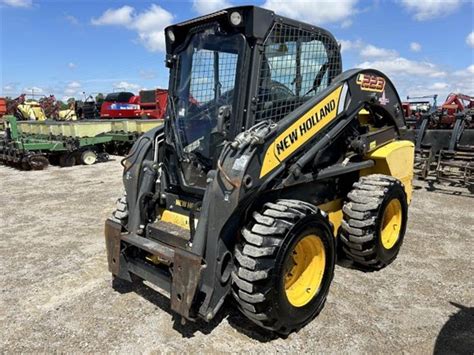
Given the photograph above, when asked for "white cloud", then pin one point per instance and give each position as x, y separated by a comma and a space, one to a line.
148, 24
423, 10
33, 90
438, 86
72, 88
147, 74
74, 85
346, 23
17, 3
371, 51
9, 89
411, 77
415, 47
71, 65
121, 16
423, 78
347, 45
315, 12
466, 73
367, 50
403, 66
124, 85
470, 39
203, 7
72, 20
463, 81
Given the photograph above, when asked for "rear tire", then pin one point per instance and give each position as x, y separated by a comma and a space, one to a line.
375, 219
284, 265
66, 160
88, 157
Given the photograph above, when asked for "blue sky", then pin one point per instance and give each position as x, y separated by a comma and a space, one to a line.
69, 47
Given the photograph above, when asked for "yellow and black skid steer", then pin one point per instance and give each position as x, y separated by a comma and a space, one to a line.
271, 162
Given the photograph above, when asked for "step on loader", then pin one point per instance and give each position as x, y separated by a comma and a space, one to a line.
271, 162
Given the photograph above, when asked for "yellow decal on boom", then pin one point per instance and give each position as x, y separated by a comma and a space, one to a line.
301, 131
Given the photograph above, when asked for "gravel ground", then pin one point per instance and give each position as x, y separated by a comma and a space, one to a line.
56, 295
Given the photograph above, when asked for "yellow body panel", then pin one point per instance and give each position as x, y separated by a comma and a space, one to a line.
334, 211
301, 131
175, 218
395, 159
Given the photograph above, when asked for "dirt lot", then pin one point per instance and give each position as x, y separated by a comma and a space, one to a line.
55, 292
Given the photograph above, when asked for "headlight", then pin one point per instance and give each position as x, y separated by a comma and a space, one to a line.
171, 36
235, 18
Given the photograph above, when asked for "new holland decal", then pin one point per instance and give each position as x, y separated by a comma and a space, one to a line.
301, 131
371, 82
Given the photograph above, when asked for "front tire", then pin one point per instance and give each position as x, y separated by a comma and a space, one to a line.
284, 265
120, 214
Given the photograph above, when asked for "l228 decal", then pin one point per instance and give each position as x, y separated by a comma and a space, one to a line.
369, 82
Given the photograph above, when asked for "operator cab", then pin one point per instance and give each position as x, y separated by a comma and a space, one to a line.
231, 70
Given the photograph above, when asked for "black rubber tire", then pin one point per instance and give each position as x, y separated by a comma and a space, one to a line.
260, 258
25, 165
470, 188
38, 162
86, 155
362, 217
66, 160
120, 214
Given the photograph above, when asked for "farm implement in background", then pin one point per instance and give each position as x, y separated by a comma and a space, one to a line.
35, 144
148, 104
444, 141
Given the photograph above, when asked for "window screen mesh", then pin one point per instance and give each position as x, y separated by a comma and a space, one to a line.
213, 75
211, 85
293, 60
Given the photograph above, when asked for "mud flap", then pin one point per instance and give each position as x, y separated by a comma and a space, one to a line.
186, 273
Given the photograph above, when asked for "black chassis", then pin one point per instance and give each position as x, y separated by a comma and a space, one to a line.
196, 276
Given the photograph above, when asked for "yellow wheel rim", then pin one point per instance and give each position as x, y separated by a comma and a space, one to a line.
305, 270
391, 224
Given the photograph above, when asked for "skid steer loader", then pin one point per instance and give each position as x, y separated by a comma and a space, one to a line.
270, 161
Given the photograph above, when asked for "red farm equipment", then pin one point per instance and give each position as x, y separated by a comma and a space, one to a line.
416, 106
148, 104
444, 141
153, 103
3, 106
120, 105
